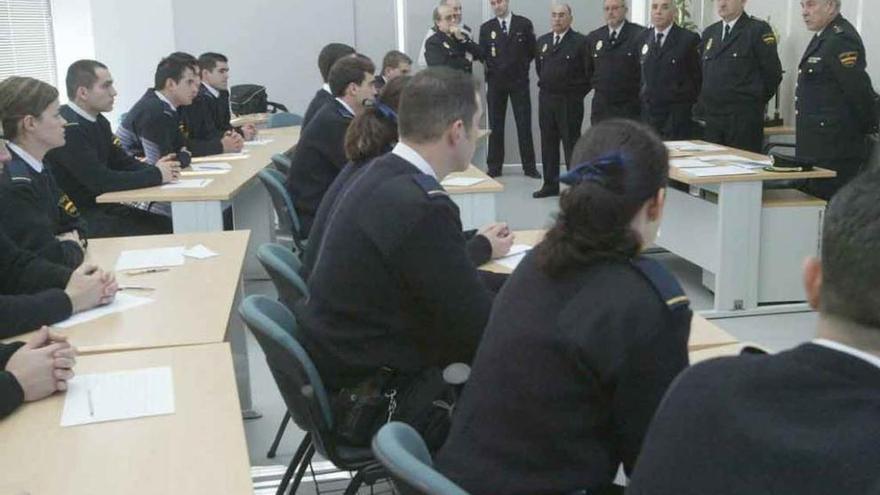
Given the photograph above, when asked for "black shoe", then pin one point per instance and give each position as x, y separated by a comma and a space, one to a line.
546, 192
532, 173
494, 173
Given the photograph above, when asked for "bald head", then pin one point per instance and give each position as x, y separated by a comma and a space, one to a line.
560, 17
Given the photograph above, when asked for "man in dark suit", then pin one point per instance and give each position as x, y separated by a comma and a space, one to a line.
394, 64
803, 421
450, 46
613, 65
741, 72
671, 75
328, 56
508, 45
562, 77
835, 99
320, 153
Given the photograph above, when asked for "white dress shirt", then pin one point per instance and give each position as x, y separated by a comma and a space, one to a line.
412, 156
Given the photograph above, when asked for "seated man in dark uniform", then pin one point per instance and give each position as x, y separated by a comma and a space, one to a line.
207, 119
92, 161
320, 152
803, 421
34, 370
449, 46
329, 55
394, 293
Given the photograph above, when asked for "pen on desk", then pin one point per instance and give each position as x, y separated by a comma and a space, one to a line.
91, 404
148, 270
136, 287
208, 167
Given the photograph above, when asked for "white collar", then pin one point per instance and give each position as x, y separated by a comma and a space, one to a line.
35, 164
665, 32
166, 100
732, 23
561, 35
412, 156
507, 18
326, 87
852, 351
82, 113
344, 104
611, 30
214, 92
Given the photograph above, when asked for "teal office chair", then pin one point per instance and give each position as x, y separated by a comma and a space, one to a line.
283, 203
301, 387
282, 163
284, 119
283, 267
404, 454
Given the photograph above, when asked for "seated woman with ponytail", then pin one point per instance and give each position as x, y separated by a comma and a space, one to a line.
584, 338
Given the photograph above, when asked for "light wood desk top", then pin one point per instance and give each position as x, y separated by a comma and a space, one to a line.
527, 237
489, 185
706, 354
199, 449
680, 175
191, 303
222, 187
251, 118
780, 130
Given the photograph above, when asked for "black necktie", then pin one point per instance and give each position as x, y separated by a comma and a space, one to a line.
659, 40
613, 38
726, 32
556, 40
504, 26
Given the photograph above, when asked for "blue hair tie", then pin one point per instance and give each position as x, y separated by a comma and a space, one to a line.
596, 170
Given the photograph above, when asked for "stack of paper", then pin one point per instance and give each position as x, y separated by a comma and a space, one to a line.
123, 302
719, 171
101, 397
139, 259
461, 181
691, 146
188, 184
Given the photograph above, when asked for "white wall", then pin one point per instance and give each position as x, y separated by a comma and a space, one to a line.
74, 36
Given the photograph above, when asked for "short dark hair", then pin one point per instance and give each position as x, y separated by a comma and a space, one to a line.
393, 59
434, 99
850, 247
173, 67
208, 61
329, 55
374, 131
596, 212
20, 97
349, 70
82, 74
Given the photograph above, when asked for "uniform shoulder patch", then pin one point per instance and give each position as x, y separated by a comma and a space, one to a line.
66, 204
769, 38
664, 283
849, 59
837, 29
430, 186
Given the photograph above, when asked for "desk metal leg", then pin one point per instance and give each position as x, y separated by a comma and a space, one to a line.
252, 210
476, 210
237, 337
197, 216
739, 246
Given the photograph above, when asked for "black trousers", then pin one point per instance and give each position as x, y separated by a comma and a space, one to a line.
560, 119
117, 220
603, 109
674, 122
741, 128
496, 101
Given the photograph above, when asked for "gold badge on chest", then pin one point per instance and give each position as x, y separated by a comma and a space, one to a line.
645, 49
599, 45
545, 48
709, 44
446, 45
494, 35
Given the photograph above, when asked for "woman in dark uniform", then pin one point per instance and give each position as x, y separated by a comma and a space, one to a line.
583, 339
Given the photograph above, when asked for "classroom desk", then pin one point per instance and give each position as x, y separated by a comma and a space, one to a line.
251, 118
476, 203
716, 225
199, 449
201, 210
192, 304
782, 130
728, 350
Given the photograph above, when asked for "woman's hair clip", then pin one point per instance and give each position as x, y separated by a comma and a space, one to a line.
595, 170
383, 109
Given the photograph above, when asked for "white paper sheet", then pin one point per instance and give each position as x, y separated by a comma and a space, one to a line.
692, 146
138, 259
258, 142
512, 261
688, 163
100, 397
188, 184
719, 171
196, 173
736, 159
123, 302
199, 252
461, 181
221, 158
211, 166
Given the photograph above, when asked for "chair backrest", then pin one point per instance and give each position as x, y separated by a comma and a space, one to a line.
296, 375
283, 266
284, 119
402, 451
283, 203
282, 163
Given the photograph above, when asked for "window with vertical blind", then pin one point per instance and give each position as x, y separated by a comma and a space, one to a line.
27, 47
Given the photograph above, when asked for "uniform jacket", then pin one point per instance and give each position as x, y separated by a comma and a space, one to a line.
153, 129
321, 98
671, 73
444, 50
562, 69
613, 68
508, 57
835, 99
205, 122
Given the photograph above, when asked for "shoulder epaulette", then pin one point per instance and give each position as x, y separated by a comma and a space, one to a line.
664, 283
18, 171
837, 29
430, 186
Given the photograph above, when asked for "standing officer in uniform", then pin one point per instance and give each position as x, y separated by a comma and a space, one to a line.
450, 45
671, 75
508, 45
741, 72
561, 64
835, 100
613, 65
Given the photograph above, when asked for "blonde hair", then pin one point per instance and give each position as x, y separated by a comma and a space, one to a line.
20, 97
